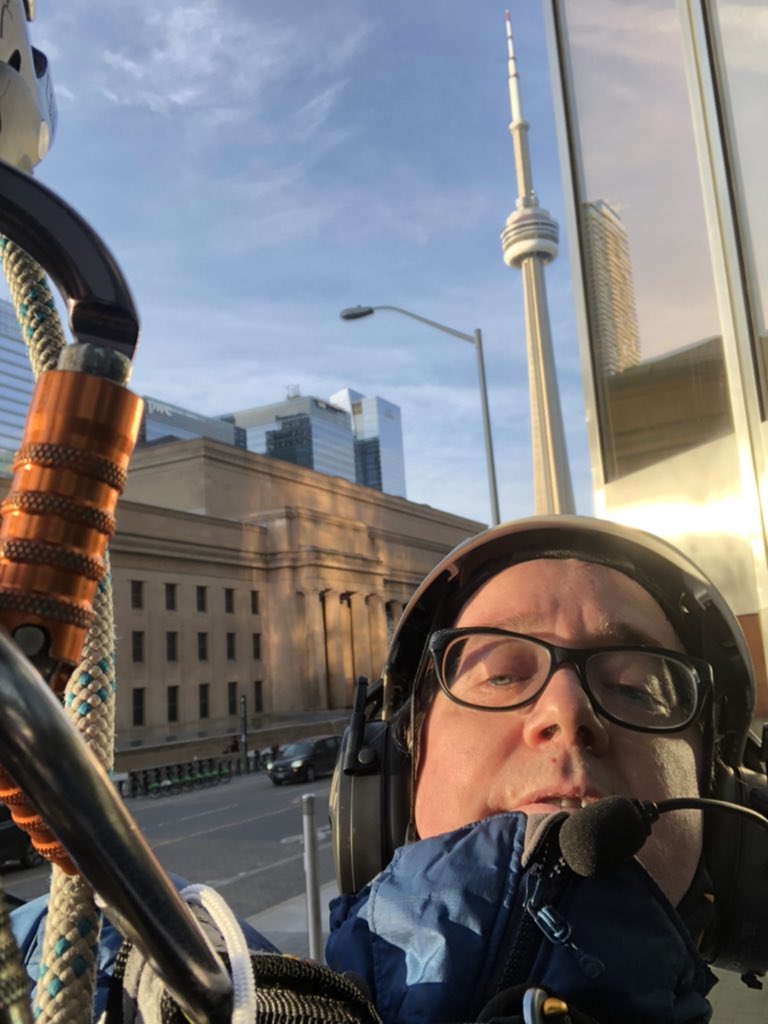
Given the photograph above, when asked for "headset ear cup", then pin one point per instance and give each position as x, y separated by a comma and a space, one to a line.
736, 859
369, 807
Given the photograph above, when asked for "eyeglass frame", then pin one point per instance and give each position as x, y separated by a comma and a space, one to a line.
576, 658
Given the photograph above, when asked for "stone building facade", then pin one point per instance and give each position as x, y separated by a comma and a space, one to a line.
236, 575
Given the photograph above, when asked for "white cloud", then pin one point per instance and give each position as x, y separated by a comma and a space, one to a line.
123, 63
315, 113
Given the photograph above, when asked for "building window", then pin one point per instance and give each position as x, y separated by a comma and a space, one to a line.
138, 705
170, 597
137, 645
202, 598
231, 647
137, 593
257, 646
171, 646
254, 602
229, 599
232, 698
202, 647
173, 703
203, 692
258, 699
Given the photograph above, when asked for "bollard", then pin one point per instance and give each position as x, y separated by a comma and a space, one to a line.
314, 930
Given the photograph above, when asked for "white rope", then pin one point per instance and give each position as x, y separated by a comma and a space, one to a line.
243, 982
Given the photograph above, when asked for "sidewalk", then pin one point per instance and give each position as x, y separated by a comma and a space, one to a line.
285, 924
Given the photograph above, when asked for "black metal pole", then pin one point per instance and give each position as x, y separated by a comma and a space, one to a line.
243, 733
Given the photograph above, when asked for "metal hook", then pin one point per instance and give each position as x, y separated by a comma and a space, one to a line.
101, 309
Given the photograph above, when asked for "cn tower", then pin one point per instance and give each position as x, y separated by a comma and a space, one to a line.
529, 241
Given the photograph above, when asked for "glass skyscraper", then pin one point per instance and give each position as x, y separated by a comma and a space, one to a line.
355, 437
378, 433
18, 383
165, 422
303, 430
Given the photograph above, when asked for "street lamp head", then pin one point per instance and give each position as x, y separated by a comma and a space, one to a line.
356, 312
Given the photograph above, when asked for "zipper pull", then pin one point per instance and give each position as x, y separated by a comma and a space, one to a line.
557, 929
538, 1007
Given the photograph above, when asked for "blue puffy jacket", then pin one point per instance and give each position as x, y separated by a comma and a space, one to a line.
455, 919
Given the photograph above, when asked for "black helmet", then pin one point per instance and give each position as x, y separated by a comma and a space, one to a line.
699, 614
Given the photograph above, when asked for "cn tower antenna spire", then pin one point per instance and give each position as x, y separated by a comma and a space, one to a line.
529, 241
518, 126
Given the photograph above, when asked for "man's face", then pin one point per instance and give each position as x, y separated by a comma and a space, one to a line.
474, 763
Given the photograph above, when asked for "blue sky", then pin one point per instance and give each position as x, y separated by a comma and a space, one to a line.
257, 167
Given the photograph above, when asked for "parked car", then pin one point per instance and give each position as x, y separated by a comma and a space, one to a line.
304, 760
15, 843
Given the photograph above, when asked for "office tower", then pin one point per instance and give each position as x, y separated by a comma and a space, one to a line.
303, 430
378, 439
165, 422
608, 276
18, 383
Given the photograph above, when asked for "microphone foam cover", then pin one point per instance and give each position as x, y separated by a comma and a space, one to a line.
602, 835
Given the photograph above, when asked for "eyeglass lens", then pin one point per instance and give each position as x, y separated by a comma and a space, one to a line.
636, 687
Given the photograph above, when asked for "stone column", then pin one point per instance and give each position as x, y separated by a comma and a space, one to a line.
361, 639
312, 642
337, 648
346, 685
377, 631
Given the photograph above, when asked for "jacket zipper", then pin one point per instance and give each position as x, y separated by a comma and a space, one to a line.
544, 885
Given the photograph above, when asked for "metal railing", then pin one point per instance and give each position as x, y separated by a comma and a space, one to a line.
183, 776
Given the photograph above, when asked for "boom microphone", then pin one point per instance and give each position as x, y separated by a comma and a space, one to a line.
605, 834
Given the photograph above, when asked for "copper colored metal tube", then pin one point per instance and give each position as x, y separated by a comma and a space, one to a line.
59, 513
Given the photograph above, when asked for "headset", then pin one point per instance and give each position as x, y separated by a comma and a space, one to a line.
372, 789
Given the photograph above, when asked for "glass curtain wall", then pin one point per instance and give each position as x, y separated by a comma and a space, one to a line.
738, 39
656, 346
661, 107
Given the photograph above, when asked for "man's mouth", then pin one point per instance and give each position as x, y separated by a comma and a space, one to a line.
565, 802
560, 802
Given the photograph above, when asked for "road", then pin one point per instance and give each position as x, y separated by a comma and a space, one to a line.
244, 838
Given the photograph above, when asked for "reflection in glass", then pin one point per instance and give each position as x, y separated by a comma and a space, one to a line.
742, 28
655, 336
615, 335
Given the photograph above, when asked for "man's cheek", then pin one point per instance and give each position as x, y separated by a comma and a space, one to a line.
664, 769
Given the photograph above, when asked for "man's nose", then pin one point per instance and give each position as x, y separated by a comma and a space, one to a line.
564, 713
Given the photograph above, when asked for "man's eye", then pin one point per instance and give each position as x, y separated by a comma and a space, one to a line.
507, 679
507, 671
645, 695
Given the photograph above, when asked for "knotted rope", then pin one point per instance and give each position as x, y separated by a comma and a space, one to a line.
66, 982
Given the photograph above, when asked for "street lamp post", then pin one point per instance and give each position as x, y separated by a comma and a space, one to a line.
476, 339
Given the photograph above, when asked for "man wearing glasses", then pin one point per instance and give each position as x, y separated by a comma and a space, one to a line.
591, 695
540, 668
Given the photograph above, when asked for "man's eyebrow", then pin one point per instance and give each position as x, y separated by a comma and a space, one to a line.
615, 631
520, 623
619, 632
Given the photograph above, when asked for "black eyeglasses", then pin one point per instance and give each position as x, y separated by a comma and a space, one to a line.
648, 689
